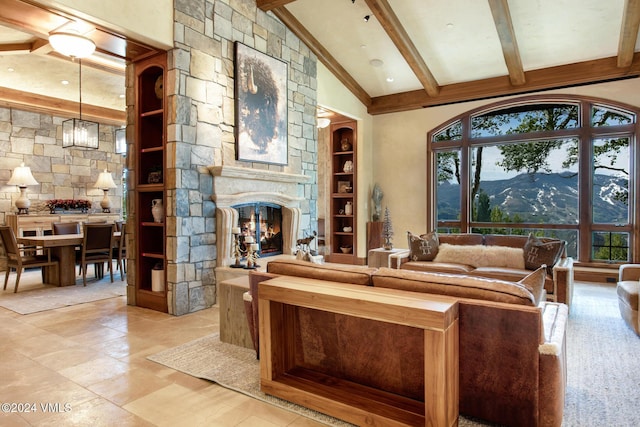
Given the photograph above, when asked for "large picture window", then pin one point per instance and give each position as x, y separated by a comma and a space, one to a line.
548, 166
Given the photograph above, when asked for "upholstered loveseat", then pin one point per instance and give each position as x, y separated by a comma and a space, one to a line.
505, 257
628, 290
512, 359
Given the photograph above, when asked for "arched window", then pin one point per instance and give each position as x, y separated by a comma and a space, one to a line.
545, 165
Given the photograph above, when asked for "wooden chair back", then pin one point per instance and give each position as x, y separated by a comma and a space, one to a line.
97, 244
66, 227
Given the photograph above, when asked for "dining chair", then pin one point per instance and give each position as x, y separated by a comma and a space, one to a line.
66, 227
69, 228
120, 250
21, 258
97, 244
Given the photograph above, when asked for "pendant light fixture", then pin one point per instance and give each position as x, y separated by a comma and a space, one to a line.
76, 133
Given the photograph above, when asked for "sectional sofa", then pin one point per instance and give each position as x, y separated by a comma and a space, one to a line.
512, 350
505, 257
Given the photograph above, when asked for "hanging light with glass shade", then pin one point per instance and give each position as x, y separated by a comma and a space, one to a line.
76, 133
121, 140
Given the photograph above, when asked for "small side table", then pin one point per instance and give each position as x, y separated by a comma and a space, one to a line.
234, 328
381, 257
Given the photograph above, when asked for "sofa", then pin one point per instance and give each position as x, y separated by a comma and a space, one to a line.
505, 257
628, 290
512, 349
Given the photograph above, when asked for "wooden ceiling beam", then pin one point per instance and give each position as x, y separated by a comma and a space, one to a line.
11, 98
394, 29
267, 5
15, 48
504, 26
628, 33
587, 72
323, 54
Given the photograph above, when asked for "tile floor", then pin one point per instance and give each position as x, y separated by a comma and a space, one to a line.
86, 365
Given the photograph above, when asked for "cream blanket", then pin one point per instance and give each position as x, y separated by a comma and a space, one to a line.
481, 255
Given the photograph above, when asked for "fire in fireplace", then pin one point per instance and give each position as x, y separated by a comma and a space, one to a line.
263, 221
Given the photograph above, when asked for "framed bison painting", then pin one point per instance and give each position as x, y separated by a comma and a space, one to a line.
261, 107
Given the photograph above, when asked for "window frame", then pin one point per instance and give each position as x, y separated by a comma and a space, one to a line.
585, 132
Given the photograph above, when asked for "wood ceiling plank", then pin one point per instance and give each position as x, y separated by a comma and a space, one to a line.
394, 29
586, 72
628, 32
504, 26
323, 54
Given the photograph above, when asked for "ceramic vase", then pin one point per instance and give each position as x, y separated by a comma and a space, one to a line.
157, 210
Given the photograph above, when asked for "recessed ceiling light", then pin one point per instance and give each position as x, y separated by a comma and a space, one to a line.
121, 95
366, 18
64, 82
390, 79
449, 25
11, 69
376, 63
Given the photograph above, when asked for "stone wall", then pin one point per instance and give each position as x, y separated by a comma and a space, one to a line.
62, 173
200, 90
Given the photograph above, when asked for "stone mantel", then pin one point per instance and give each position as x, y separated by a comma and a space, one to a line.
257, 174
237, 185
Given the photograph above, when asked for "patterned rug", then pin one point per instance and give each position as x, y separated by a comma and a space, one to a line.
603, 378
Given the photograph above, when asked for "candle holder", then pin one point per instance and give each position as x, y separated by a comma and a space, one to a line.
237, 252
252, 256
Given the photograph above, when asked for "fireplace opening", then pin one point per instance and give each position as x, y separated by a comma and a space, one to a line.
263, 221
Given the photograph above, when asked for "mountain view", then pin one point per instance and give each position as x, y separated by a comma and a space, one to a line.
548, 198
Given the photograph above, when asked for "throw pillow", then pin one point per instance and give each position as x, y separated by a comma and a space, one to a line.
534, 282
539, 251
424, 247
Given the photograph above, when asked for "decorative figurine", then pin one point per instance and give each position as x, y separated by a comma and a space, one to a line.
387, 230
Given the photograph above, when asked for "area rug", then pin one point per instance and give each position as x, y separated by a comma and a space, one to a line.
603, 381
230, 366
49, 298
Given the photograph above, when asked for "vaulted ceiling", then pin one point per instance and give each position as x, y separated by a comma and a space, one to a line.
393, 55
397, 55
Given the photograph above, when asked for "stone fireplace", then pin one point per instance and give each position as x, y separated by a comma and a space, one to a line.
233, 186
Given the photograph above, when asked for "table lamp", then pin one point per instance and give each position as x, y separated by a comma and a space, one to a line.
105, 182
22, 177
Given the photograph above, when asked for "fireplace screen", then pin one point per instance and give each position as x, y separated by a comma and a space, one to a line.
263, 221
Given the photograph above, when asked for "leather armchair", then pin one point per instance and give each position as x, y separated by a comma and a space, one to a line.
627, 289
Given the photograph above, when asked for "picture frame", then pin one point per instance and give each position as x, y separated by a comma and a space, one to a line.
344, 186
261, 132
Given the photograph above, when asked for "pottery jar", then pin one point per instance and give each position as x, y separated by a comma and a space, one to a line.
348, 208
157, 210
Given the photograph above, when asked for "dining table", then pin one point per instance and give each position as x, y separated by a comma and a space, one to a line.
63, 248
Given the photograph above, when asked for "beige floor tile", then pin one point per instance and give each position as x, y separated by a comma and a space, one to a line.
95, 413
95, 370
129, 386
12, 419
94, 357
67, 357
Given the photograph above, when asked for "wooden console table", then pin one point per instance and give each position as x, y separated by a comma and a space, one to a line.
357, 403
40, 225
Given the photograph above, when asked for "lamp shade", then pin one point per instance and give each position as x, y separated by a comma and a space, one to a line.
105, 181
72, 43
22, 177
